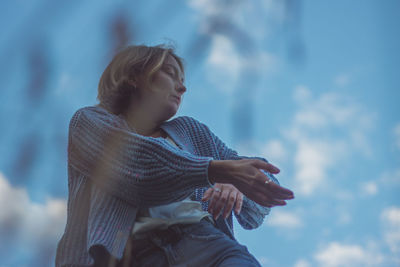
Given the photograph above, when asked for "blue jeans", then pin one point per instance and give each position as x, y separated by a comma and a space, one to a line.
200, 244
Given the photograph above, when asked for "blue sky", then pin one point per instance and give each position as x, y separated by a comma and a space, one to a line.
310, 85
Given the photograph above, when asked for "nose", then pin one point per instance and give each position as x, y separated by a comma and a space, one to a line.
180, 88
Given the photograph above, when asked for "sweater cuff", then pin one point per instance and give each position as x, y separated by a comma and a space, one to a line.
200, 170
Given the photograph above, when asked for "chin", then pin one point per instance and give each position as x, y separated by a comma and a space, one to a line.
169, 113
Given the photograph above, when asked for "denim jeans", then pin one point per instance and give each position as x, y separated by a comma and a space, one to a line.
199, 244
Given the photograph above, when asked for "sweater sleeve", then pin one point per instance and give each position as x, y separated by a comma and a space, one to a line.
143, 171
252, 214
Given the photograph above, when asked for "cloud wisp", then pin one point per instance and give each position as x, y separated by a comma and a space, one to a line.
337, 254
396, 132
284, 219
325, 131
225, 64
235, 33
28, 227
390, 218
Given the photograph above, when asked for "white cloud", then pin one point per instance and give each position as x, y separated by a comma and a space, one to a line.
390, 178
65, 82
369, 188
344, 195
210, 7
330, 109
274, 151
284, 219
342, 80
325, 131
275, 10
302, 263
344, 217
396, 132
223, 55
235, 30
33, 224
360, 142
391, 228
302, 94
311, 162
263, 261
263, 62
310, 118
225, 63
258, 18
342, 255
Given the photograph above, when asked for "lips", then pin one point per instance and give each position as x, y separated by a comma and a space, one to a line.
177, 98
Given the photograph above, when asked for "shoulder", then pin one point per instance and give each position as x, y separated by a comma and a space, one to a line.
190, 127
189, 124
95, 115
93, 111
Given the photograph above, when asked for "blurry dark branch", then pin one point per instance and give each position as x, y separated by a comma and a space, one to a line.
26, 157
39, 67
224, 25
31, 43
45, 14
295, 45
120, 32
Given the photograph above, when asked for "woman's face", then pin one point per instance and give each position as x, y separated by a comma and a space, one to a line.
164, 92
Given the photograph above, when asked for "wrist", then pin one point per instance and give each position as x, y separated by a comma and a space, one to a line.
218, 171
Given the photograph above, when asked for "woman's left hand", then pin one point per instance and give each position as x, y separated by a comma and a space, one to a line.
223, 197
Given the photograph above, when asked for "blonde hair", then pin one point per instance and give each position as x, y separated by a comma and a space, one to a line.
133, 63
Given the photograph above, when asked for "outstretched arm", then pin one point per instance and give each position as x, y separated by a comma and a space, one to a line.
143, 171
247, 177
253, 211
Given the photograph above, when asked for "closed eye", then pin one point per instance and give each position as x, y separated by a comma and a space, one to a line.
172, 71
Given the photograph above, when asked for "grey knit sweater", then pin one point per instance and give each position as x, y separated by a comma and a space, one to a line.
113, 171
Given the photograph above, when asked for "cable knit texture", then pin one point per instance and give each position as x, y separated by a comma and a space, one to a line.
113, 171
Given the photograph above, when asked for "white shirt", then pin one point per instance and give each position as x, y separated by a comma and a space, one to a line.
186, 211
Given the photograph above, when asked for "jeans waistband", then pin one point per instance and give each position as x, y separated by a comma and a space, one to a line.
170, 235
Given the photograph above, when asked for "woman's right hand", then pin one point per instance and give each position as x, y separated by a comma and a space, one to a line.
247, 177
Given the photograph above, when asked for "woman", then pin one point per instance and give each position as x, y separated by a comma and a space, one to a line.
148, 191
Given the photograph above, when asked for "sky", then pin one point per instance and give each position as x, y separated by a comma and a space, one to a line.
312, 86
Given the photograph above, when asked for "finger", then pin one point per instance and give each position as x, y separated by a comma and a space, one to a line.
275, 198
279, 191
277, 202
276, 195
220, 204
213, 200
270, 198
266, 166
267, 201
261, 193
207, 194
239, 203
257, 197
273, 187
263, 177
230, 203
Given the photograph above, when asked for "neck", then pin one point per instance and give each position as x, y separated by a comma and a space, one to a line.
143, 122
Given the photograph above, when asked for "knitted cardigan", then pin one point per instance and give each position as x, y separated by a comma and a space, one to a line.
113, 171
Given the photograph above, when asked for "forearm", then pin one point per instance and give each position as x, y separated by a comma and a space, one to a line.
252, 214
241, 171
218, 171
142, 171
252, 176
